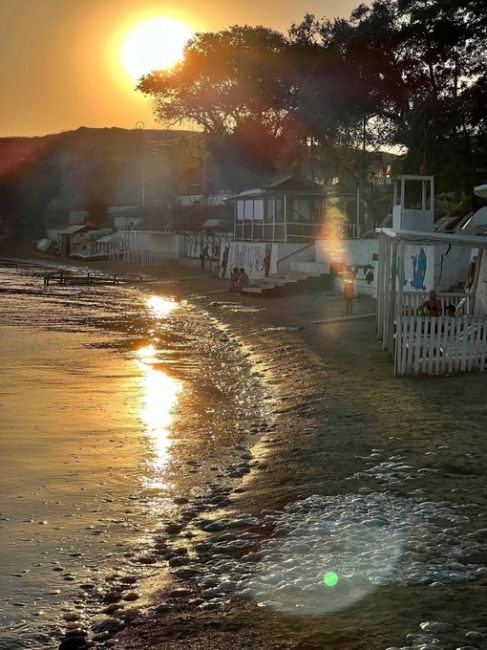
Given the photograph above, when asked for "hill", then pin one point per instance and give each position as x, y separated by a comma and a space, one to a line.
42, 178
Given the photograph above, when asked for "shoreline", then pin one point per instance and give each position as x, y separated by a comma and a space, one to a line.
335, 406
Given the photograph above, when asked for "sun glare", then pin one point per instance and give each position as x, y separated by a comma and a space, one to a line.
161, 307
154, 44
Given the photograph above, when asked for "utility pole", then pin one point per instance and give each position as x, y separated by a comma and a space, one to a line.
364, 161
140, 125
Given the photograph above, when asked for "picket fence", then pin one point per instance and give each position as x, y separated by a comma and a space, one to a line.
440, 345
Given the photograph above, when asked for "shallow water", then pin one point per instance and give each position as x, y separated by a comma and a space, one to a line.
113, 402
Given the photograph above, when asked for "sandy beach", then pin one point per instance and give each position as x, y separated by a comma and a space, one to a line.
339, 470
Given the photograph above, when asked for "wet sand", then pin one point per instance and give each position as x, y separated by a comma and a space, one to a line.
334, 403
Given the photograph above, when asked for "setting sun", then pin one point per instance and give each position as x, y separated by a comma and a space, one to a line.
154, 44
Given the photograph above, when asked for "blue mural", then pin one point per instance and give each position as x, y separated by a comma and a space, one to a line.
420, 263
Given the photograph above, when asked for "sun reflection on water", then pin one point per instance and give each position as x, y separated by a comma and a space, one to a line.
161, 307
159, 398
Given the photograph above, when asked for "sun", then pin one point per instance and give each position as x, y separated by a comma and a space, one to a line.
154, 44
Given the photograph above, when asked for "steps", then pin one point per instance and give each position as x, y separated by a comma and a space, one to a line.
288, 282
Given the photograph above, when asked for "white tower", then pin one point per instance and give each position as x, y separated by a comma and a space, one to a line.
414, 204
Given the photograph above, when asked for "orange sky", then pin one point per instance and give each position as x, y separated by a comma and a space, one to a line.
60, 65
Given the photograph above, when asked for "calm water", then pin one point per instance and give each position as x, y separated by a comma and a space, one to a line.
112, 402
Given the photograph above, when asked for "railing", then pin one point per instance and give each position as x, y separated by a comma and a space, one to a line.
299, 250
440, 345
290, 231
411, 302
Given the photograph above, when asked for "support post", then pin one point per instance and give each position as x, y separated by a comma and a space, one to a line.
358, 212
285, 217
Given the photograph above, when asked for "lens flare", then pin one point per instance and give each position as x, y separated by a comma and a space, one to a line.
330, 579
333, 240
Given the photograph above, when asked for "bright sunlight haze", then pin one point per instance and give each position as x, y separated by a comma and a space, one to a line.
154, 44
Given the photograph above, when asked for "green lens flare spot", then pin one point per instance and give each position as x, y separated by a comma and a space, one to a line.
330, 579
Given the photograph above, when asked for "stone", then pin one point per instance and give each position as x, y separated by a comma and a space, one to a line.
434, 626
75, 643
109, 624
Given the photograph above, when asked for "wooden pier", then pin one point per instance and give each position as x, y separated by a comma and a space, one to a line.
66, 277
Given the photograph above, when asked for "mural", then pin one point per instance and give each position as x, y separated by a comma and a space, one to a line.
419, 267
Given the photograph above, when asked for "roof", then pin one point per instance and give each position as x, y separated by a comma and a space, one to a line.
197, 217
417, 236
222, 225
283, 184
481, 190
114, 236
71, 230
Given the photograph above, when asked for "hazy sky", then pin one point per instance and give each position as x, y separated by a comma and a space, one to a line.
61, 65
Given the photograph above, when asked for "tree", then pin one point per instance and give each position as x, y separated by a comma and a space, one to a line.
233, 85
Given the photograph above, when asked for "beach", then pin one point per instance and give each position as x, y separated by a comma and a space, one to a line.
337, 507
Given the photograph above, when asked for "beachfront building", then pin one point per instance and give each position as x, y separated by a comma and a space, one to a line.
80, 241
413, 262
277, 226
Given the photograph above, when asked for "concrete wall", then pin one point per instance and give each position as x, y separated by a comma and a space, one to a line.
481, 293
290, 253
453, 271
252, 256
355, 252
164, 244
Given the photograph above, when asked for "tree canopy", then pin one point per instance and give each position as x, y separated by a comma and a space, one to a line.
397, 73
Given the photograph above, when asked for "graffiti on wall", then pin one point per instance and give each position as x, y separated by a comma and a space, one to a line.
253, 257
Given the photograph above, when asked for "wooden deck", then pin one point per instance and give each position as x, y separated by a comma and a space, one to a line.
68, 278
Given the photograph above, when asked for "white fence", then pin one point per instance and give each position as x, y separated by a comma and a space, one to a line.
440, 345
411, 302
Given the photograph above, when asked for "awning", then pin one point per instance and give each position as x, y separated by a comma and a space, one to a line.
107, 239
415, 236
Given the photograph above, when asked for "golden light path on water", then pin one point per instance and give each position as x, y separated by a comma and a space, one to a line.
159, 396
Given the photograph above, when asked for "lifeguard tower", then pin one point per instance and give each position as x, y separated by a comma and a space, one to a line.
413, 205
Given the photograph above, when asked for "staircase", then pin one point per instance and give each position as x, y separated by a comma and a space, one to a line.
288, 282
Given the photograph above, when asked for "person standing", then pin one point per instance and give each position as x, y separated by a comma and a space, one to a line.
349, 290
224, 261
203, 256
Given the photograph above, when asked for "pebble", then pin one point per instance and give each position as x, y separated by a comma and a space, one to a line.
434, 626
75, 643
109, 624
131, 596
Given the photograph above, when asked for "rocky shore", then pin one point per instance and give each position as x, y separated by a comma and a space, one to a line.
352, 514
358, 475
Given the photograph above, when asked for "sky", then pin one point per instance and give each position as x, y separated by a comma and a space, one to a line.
62, 64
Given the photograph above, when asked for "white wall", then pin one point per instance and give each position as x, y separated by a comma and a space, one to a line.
291, 253
164, 244
356, 252
481, 293
251, 257
455, 265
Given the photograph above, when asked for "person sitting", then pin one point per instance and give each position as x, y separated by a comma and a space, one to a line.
243, 280
432, 306
451, 311
233, 286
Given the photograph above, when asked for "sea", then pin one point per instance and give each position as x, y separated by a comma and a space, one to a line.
115, 401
